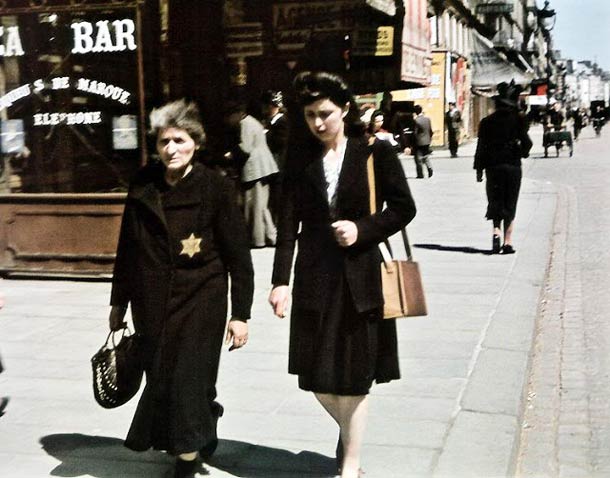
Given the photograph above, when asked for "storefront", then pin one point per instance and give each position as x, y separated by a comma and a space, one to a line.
72, 132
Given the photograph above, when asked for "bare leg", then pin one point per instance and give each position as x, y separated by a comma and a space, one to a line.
188, 456
508, 233
350, 412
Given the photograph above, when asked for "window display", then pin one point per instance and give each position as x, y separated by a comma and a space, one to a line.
69, 101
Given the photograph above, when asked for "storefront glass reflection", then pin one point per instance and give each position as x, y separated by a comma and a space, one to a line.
68, 102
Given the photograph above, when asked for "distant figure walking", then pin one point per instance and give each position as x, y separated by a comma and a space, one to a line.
503, 141
423, 138
256, 174
453, 122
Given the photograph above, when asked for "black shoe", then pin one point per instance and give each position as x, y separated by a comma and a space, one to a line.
430, 172
339, 454
185, 469
3, 404
495, 245
508, 249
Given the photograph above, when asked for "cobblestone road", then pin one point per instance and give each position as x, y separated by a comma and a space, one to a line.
566, 429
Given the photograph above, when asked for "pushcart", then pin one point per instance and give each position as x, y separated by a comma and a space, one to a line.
557, 139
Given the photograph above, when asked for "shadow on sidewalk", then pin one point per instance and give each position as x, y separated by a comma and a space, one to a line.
100, 457
257, 461
464, 249
106, 457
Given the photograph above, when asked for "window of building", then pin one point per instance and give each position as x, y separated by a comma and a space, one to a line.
69, 101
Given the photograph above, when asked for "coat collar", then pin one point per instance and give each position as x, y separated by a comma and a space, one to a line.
354, 162
145, 190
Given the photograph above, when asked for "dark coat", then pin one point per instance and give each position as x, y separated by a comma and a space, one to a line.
277, 139
304, 202
503, 139
178, 302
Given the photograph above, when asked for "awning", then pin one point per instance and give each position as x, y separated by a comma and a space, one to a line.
490, 67
385, 6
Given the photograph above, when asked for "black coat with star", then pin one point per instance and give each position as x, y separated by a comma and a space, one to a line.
178, 296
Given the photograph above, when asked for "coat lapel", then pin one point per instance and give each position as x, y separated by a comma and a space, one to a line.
314, 172
148, 196
354, 165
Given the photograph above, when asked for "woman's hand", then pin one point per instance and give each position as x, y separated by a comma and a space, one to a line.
117, 314
346, 232
278, 298
237, 331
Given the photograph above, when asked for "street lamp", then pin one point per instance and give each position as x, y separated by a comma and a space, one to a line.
547, 17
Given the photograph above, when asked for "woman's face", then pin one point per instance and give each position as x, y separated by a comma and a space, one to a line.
325, 119
176, 148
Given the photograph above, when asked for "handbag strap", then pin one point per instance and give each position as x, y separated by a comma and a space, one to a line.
384, 248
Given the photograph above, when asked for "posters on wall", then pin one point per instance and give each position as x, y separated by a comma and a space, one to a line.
416, 43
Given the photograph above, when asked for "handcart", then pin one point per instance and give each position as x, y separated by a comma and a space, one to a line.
557, 139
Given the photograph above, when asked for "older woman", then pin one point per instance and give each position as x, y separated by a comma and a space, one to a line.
339, 343
182, 232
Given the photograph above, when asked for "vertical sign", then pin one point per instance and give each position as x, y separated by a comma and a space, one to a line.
432, 98
416, 43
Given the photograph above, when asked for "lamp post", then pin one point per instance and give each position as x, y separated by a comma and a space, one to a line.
546, 18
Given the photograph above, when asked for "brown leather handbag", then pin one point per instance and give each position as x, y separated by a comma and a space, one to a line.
403, 291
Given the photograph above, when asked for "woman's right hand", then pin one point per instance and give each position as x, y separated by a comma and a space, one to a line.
278, 298
117, 314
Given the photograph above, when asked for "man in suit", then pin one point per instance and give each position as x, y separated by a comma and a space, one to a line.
453, 120
423, 138
277, 129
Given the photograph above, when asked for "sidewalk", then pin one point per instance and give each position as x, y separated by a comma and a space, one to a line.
455, 413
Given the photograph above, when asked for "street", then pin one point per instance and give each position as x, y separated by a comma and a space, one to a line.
567, 430
507, 375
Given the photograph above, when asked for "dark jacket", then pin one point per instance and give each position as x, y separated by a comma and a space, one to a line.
277, 139
503, 139
179, 302
305, 203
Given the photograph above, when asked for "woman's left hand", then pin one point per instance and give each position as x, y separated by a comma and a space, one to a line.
346, 232
237, 332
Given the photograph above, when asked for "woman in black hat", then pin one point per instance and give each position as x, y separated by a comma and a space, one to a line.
503, 141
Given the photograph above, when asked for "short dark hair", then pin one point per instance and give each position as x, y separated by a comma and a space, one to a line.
180, 114
311, 86
418, 109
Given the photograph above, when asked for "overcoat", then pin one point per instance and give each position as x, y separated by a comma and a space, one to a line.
178, 298
305, 204
260, 163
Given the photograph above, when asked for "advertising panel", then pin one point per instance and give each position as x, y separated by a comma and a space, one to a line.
416, 43
432, 98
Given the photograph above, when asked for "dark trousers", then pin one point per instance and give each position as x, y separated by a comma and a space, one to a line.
453, 141
421, 156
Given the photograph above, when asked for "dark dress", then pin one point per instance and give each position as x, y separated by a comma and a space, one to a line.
503, 141
178, 295
339, 342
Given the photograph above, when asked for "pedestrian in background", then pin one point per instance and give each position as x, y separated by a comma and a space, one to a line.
339, 342
577, 122
182, 234
453, 122
3, 400
503, 141
423, 137
256, 174
276, 131
378, 130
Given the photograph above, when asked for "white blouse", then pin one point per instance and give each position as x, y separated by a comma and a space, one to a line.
333, 161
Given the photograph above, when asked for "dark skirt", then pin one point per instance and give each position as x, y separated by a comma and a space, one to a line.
340, 351
502, 186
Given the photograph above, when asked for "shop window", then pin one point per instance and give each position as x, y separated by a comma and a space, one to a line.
69, 101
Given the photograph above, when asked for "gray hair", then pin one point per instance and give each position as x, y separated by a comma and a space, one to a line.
180, 114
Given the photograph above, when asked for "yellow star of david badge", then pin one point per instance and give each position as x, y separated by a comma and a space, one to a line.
191, 245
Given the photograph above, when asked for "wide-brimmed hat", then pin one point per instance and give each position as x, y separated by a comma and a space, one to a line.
508, 94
